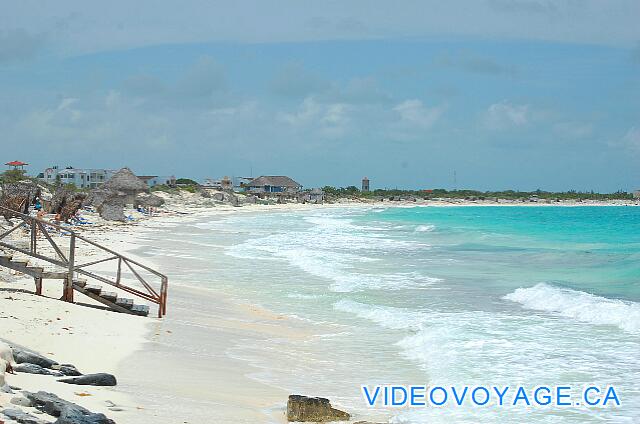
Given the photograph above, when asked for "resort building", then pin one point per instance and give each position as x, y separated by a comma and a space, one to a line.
154, 180
273, 184
636, 194
81, 178
225, 183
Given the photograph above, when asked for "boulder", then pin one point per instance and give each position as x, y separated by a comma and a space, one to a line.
35, 369
22, 417
315, 409
24, 356
3, 371
6, 354
99, 379
67, 369
67, 412
21, 401
149, 200
111, 211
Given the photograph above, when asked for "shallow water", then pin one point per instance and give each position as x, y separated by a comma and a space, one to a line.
449, 296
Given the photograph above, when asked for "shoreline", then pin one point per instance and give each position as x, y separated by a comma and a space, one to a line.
141, 362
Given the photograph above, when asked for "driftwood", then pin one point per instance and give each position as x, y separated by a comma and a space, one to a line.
18, 196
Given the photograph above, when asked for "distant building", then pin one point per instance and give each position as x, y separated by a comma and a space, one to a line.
365, 184
212, 184
17, 165
225, 183
636, 194
154, 180
80, 177
273, 184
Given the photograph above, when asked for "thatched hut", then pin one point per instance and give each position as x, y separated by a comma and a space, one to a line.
126, 182
149, 200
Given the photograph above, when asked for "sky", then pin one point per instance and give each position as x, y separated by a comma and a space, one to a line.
483, 94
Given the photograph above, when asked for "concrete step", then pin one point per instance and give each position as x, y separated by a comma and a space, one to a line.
80, 282
124, 302
142, 310
110, 296
93, 289
36, 269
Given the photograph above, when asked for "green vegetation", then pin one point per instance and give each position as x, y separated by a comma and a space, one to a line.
164, 188
186, 181
13, 176
440, 193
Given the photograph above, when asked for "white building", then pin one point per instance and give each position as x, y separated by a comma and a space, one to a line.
81, 178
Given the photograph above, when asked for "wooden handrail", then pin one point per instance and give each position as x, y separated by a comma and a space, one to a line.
68, 262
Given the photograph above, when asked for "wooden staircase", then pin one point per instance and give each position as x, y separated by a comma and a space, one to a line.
95, 292
29, 258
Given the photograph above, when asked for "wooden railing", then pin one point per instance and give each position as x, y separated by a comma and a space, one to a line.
68, 261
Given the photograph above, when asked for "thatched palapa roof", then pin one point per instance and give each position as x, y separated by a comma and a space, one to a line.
125, 180
274, 181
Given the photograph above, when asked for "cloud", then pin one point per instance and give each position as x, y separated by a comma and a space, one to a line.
294, 80
416, 113
360, 90
476, 65
17, 45
573, 130
630, 141
524, 6
143, 85
504, 115
331, 120
203, 79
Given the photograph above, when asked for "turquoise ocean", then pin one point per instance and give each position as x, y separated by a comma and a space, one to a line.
449, 296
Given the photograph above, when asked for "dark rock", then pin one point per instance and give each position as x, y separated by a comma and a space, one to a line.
100, 379
21, 401
23, 356
316, 409
22, 417
65, 411
67, 369
35, 369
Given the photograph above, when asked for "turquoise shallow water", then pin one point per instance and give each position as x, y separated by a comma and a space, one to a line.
449, 296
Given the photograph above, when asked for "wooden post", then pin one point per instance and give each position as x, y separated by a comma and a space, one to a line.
38, 285
34, 236
68, 286
119, 271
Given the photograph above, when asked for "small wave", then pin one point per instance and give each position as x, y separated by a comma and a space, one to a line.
581, 306
425, 228
385, 316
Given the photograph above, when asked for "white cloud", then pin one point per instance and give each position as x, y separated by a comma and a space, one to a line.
573, 130
631, 140
505, 115
414, 112
332, 119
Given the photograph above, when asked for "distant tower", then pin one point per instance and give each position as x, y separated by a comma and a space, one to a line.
365, 184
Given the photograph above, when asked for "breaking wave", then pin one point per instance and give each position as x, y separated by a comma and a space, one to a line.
578, 305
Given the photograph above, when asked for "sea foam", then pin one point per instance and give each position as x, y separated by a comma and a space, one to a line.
578, 305
425, 228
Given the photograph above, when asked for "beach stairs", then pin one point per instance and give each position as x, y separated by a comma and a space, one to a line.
95, 292
110, 299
